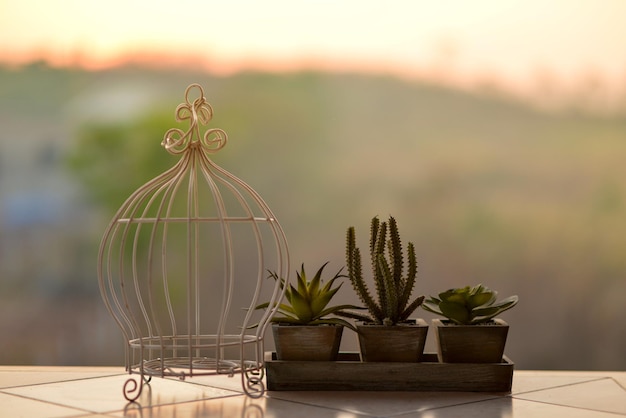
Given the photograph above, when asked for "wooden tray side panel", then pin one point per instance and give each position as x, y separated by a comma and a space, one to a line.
366, 376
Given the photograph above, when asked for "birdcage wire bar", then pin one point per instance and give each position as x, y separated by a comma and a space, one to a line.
198, 221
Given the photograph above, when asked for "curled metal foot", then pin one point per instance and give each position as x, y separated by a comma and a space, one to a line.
254, 387
132, 389
253, 384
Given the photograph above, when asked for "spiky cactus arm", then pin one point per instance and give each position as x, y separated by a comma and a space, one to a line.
390, 309
380, 244
409, 282
395, 252
373, 235
361, 287
355, 273
375, 229
411, 308
354, 315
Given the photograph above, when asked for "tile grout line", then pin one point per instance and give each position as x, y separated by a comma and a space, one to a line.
60, 381
618, 384
597, 379
49, 403
90, 412
571, 407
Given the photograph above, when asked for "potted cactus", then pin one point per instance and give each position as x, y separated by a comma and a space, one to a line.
387, 333
471, 333
306, 328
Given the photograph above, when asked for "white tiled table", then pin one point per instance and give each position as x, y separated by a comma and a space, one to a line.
33, 391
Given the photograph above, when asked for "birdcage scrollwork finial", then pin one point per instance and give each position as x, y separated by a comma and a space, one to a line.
198, 112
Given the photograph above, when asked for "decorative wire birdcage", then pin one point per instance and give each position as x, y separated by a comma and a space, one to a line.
183, 265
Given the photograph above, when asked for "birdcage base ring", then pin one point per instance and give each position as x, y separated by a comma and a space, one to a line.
194, 342
182, 367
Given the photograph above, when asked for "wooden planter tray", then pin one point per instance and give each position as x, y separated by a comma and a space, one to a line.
349, 373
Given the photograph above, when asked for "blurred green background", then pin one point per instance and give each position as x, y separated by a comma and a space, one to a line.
491, 190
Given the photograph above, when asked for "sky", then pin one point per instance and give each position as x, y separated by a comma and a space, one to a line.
525, 46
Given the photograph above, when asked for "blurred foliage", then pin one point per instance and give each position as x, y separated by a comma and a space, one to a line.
114, 159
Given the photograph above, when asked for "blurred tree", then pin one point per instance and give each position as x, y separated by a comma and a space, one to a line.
114, 159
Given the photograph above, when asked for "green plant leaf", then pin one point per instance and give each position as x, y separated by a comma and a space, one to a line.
356, 316
455, 312
390, 306
282, 307
337, 310
433, 301
262, 306
302, 284
432, 309
411, 308
395, 254
487, 313
355, 273
454, 295
432, 305
373, 235
329, 284
319, 303
300, 306
483, 298
470, 291
315, 283
379, 279
407, 285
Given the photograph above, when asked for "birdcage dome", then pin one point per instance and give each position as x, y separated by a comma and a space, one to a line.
184, 262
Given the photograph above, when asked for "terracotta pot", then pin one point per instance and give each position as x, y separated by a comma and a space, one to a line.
398, 343
307, 342
481, 343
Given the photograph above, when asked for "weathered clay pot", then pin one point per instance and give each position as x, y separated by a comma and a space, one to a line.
307, 342
398, 343
481, 343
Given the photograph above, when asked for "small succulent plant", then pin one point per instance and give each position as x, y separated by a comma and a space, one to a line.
394, 286
307, 304
469, 305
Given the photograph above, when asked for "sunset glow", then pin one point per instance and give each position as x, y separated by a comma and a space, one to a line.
519, 45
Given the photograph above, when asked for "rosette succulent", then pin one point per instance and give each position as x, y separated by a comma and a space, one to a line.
469, 305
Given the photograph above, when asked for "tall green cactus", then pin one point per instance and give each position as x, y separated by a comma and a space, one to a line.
393, 288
